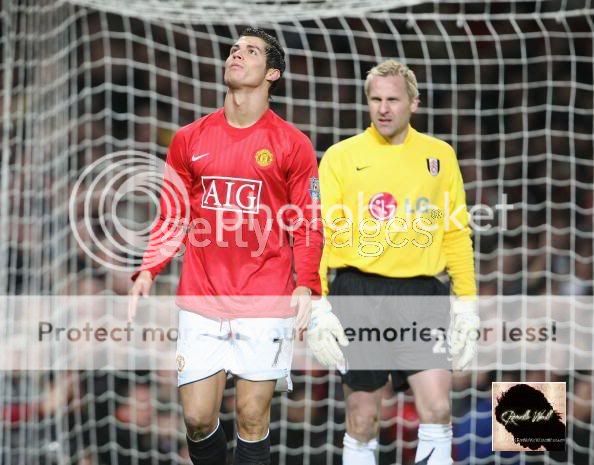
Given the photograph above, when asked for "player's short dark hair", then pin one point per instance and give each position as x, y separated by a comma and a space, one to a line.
275, 55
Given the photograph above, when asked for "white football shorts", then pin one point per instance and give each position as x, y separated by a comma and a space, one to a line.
255, 349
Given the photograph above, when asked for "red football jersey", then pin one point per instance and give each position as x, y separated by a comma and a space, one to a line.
253, 197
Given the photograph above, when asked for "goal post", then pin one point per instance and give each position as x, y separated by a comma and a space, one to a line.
509, 84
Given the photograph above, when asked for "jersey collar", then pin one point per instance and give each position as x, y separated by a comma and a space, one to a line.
248, 130
374, 133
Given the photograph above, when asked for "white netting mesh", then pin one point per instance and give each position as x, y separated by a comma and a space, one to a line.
229, 12
509, 84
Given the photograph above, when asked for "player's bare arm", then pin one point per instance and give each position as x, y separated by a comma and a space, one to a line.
140, 288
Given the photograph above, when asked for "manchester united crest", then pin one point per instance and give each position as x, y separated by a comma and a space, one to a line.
433, 166
264, 158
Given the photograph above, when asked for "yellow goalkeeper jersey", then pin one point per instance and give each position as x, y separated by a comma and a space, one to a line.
396, 210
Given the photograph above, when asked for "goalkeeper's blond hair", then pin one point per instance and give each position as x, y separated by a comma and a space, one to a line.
394, 68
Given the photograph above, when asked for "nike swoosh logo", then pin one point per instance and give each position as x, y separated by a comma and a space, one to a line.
425, 461
359, 168
198, 157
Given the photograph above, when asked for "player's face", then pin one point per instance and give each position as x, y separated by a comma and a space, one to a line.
390, 107
246, 64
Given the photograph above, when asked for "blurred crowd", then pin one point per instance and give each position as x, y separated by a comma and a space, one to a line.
514, 98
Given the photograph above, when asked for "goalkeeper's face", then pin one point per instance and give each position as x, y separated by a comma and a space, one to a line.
390, 106
246, 65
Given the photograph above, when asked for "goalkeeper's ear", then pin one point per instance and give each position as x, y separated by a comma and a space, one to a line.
414, 104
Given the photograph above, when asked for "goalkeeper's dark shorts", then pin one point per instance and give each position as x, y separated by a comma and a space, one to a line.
353, 282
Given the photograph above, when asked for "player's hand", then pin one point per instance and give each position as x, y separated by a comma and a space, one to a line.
462, 340
301, 299
141, 287
325, 333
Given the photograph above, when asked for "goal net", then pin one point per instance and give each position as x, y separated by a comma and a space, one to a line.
510, 84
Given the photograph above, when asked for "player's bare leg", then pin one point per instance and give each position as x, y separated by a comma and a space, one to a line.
431, 389
201, 402
253, 399
362, 426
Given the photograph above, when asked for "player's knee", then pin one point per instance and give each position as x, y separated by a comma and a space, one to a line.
362, 426
199, 426
436, 412
252, 423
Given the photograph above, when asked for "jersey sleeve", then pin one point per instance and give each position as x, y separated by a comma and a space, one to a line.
457, 242
332, 211
304, 193
168, 234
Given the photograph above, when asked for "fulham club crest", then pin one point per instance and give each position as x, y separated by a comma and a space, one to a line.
433, 166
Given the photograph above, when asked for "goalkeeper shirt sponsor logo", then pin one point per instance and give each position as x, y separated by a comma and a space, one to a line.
231, 194
382, 206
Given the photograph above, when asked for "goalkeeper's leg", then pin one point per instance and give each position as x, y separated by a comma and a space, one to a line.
201, 402
431, 389
362, 418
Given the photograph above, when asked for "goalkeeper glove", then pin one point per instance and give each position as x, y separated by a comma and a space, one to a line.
325, 333
462, 334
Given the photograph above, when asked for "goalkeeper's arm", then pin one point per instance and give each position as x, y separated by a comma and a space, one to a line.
464, 316
326, 334
457, 247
